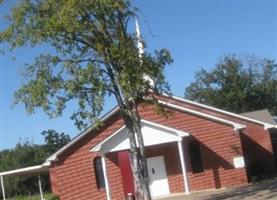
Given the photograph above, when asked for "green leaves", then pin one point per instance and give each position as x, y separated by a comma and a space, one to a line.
26, 154
54, 141
237, 85
40, 84
96, 55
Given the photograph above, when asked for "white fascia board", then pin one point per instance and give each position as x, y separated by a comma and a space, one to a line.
275, 127
54, 156
178, 132
236, 126
33, 169
266, 125
98, 146
46, 163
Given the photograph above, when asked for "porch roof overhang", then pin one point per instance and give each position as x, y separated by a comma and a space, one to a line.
153, 134
33, 170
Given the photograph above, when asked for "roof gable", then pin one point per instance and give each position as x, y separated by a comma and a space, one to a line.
54, 156
236, 126
246, 118
261, 115
153, 134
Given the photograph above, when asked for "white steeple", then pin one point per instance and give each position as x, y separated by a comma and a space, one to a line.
139, 44
141, 51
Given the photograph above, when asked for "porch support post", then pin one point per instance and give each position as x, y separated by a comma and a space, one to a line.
183, 165
107, 188
3, 188
40, 188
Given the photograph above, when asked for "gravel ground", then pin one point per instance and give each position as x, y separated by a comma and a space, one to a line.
261, 191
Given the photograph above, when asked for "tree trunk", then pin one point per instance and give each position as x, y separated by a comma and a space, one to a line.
138, 160
132, 121
141, 153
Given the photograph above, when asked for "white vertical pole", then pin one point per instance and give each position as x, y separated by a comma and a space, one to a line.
3, 188
139, 44
40, 188
107, 188
141, 51
183, 165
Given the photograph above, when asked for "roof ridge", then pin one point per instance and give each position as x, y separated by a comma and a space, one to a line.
265, 124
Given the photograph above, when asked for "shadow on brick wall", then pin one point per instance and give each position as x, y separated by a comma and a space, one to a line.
259, 161
217, 161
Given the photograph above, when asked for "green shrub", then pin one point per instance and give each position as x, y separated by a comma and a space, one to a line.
53, 197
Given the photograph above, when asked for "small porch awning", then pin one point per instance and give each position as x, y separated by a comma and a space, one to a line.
34, 170
152, 133
27, 171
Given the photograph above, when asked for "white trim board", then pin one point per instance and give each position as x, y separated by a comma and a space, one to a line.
54, 156
98, 146
236, 126
27, 170
266, 125
109, 114
153, 134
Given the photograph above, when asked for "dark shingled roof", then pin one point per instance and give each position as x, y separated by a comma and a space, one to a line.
262, 115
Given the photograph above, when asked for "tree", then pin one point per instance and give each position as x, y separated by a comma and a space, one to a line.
96, 55
54, 140
27, 154
24, 154
237, 85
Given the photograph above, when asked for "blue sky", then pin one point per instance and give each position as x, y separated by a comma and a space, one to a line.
197, 33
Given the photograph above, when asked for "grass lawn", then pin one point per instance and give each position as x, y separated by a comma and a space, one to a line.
35, 197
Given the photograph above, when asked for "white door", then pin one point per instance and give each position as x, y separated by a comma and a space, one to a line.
157, 176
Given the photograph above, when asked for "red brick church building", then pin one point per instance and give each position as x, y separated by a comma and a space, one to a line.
197, 147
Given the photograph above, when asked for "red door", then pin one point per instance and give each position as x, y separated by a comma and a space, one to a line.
126, 172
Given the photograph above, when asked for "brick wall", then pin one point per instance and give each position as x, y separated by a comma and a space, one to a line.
114, 176
273, 135
258, 151
172, 164
254, 139
72, 177
219, 144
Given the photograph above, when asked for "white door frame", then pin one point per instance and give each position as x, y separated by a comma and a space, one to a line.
162, 169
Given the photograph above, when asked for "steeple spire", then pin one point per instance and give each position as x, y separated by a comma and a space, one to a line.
146, 77
139, 42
